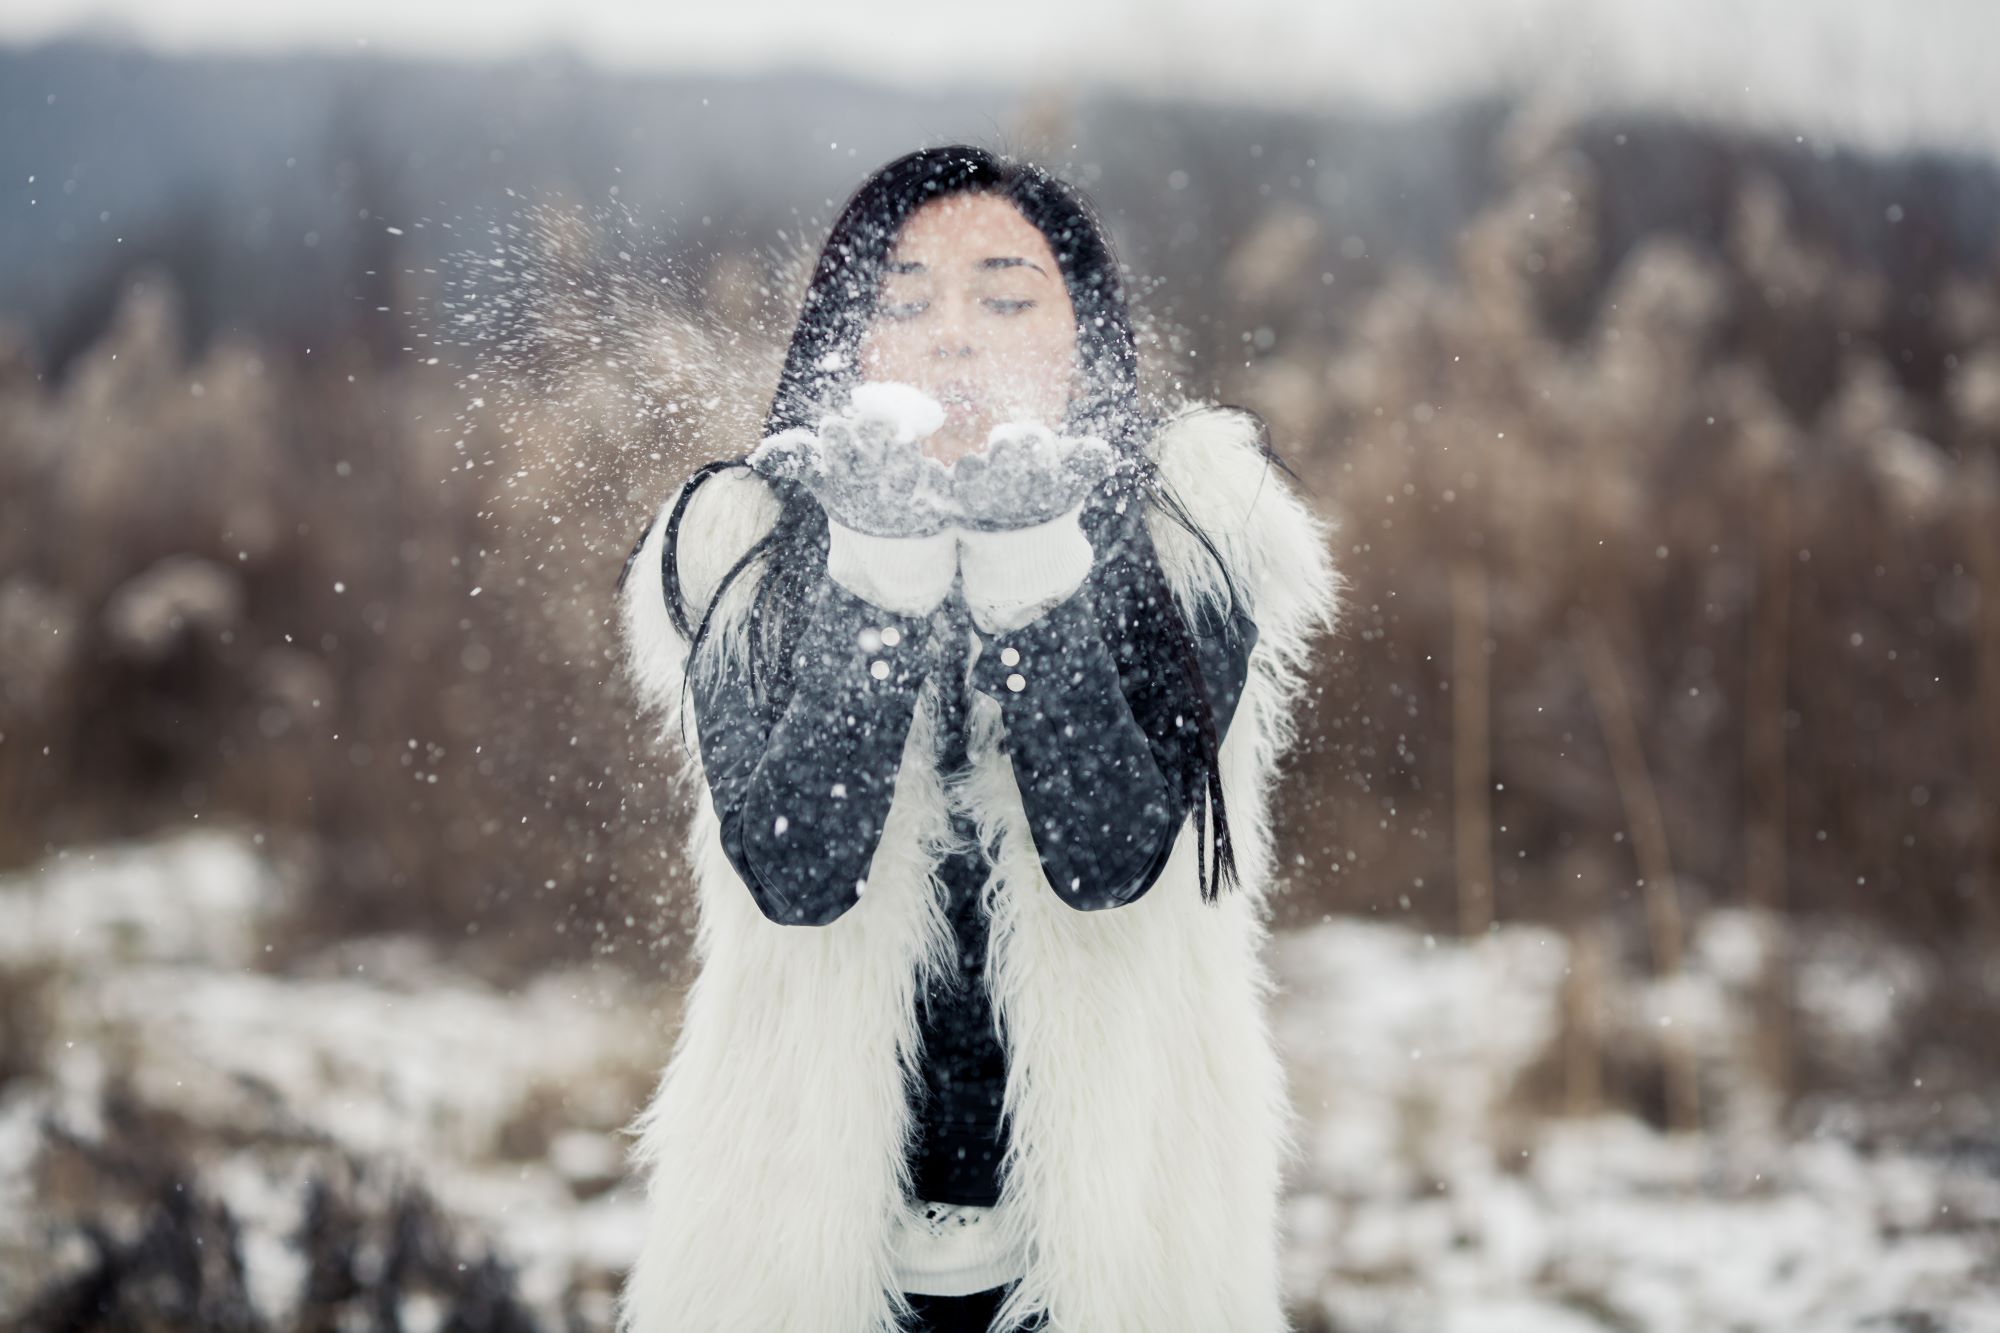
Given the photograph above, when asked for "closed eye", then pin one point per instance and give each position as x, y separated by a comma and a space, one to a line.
906, 309
1006, 307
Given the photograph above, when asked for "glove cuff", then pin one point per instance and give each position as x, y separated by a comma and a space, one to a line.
906, 575
1013, 576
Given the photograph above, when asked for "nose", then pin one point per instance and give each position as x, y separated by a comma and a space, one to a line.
953, 336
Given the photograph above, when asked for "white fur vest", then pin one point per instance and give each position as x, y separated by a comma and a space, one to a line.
1149, 1116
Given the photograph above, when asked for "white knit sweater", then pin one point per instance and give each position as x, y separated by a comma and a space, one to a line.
949, 1249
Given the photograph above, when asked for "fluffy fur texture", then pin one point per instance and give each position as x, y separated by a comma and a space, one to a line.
1151, 1123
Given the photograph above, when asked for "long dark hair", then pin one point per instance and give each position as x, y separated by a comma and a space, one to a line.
1142, 621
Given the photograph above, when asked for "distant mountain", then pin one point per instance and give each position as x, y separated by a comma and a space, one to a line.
269, 184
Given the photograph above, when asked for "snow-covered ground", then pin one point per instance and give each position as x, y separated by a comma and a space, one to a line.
505, 1106
1434, 1202
1437, 1195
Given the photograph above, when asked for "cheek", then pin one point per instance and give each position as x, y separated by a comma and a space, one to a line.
890, 352
1031, 343
1042, 357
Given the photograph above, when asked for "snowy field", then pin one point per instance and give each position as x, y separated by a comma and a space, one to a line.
1437, 1195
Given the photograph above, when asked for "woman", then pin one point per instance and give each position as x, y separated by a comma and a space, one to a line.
988, 669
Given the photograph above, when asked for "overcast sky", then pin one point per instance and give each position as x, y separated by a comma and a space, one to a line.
1878, 72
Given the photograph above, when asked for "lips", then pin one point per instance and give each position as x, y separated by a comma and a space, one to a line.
958, 398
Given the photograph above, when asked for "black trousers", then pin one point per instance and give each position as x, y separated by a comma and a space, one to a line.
960, 1314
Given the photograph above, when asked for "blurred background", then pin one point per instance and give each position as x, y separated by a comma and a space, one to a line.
1640, 938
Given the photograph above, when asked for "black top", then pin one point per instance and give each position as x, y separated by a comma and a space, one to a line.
802, 798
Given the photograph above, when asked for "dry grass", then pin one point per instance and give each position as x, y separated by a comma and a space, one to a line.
239, 581
161, 1252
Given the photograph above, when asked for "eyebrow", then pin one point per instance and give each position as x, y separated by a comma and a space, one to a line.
1010, 261
993, 261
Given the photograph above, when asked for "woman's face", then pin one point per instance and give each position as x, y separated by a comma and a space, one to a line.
974, 312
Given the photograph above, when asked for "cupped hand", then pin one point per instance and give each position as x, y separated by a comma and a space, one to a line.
866, 465
871, 468
1027, 474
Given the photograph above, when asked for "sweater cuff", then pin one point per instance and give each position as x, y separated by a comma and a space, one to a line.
906, 575
1015, 575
